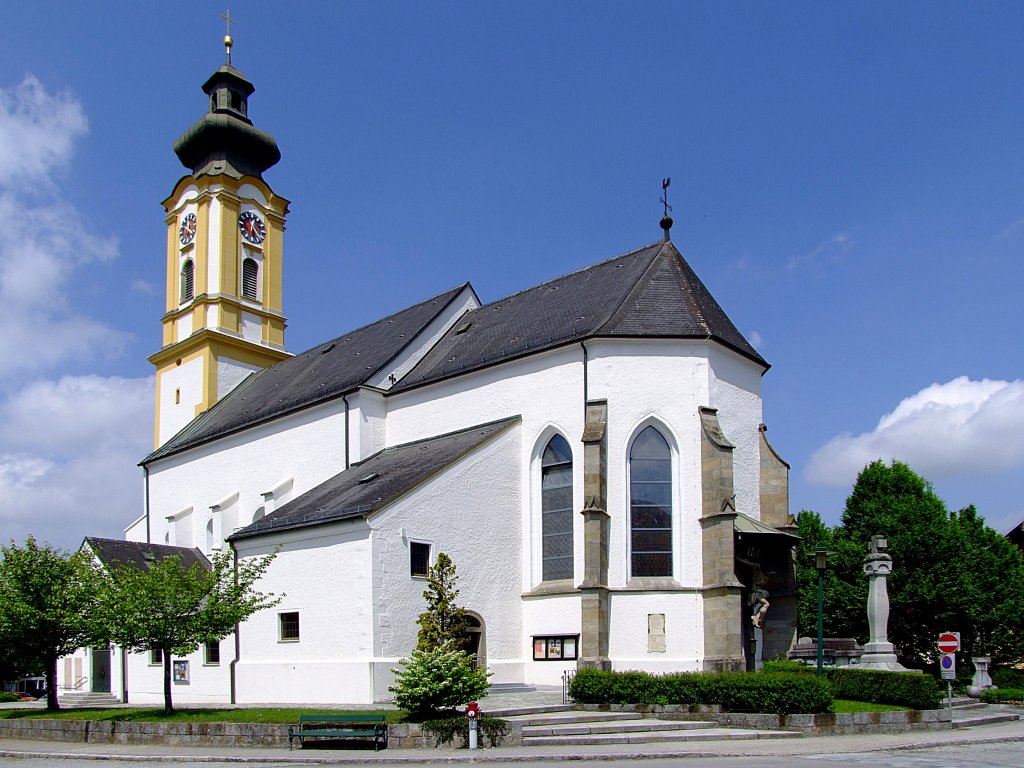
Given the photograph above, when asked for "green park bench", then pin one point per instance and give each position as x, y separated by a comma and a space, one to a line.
347, 726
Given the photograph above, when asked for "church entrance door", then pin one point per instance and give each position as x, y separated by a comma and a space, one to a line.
477, 646
100, 677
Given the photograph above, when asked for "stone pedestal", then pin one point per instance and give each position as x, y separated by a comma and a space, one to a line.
981, 681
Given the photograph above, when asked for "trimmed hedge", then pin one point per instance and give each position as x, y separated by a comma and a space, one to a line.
917, 691
907, 689
7, 697
1003, 696
782, 694
1008, 678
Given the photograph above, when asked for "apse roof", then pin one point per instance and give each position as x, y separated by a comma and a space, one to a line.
377, 481
647, 293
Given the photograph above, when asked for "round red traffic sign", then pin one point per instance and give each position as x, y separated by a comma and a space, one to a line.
949, 643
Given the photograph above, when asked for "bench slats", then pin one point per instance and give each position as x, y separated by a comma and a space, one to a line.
336, 727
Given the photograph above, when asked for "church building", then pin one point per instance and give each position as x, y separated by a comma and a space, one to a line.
589, 452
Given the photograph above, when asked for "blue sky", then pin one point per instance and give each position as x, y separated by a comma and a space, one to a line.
846, 181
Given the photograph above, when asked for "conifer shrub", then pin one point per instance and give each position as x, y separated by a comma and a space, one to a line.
438, 679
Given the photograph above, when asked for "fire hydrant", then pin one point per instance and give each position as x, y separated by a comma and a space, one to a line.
473, 713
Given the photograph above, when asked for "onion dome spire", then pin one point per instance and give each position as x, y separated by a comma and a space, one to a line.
224, 140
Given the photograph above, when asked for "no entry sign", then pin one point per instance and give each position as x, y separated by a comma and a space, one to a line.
949, 642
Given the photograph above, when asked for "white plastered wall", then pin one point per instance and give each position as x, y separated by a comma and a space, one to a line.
181, 389
306, 448
325, 575
471, 512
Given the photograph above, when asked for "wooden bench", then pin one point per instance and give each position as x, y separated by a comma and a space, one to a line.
349, 726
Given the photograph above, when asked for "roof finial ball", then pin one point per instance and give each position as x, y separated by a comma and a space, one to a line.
228, 40
666, 220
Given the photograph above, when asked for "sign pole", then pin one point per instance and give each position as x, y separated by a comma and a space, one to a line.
949, 697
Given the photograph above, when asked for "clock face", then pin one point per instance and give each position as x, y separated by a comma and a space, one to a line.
187, 232
252, 227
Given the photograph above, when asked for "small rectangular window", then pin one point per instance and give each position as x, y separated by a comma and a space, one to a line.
156, 657
555, 647
212, 654
289, 623
419, 558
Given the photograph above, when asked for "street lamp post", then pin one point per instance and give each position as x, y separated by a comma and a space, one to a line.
819, 563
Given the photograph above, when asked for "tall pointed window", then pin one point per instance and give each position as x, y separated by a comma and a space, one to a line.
556, 510
250, 279
188, 286
650, 504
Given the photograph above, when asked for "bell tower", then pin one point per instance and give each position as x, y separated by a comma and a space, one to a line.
225, 228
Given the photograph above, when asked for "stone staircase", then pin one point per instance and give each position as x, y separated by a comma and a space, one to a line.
86, 699
971, 712
563, 726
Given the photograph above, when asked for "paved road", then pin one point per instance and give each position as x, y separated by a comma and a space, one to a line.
1003, 755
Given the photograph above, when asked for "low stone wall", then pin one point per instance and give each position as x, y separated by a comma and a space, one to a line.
824, 724
400, 736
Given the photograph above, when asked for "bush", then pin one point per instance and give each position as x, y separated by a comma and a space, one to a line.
906, 689
444, 730
6, 697
741, 691
1003, 696
790, 667
1008, 678
438, 679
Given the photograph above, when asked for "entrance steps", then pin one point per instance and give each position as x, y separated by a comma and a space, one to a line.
603, 728
86, 699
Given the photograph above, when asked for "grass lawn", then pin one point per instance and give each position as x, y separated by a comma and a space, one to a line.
846, 707
185, 715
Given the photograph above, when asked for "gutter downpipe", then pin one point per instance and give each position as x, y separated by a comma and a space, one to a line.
344, 399
586, 385
145, 475
238, 642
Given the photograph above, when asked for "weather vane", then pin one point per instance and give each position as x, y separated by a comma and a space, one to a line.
666, 220
228, 42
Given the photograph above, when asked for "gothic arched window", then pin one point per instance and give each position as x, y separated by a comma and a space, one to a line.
556, 510
650, 504
250, 279
188, 285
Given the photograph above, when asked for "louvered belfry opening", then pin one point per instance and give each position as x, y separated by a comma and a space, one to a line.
250, 276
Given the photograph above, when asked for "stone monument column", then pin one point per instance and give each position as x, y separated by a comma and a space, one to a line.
879, 653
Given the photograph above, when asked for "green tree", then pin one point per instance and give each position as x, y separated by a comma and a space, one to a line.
444, 622
950, 571
48, 600
168, 608
438, 678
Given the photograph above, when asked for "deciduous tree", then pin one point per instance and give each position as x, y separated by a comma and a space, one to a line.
48, 600
172, 609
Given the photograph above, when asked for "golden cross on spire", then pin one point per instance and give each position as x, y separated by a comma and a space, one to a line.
228, 42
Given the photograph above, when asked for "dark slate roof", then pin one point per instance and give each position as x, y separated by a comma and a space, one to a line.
377, 481
114, 552
312, 377
651, 292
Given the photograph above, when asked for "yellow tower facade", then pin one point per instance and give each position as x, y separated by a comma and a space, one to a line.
223, 318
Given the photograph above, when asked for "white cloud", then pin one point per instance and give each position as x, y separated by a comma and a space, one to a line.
833, 249
37, 132
962, 427
47, 242
68, 456
755, 339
